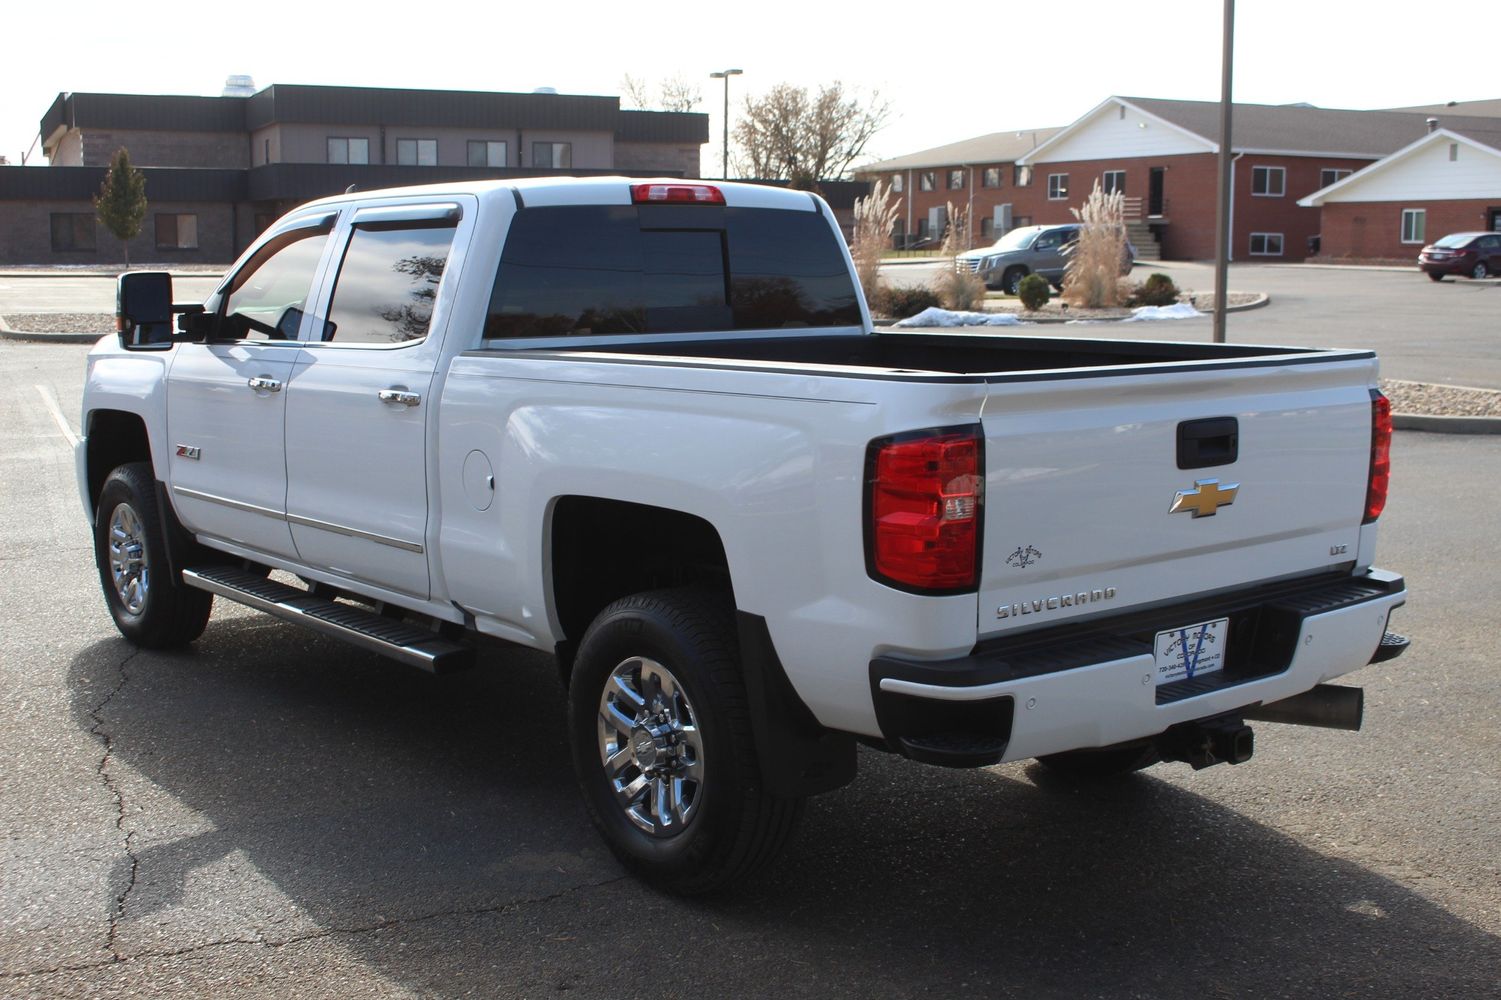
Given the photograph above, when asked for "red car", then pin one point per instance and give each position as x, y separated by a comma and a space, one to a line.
1473, 255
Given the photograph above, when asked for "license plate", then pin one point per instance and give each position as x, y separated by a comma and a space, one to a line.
1191, 651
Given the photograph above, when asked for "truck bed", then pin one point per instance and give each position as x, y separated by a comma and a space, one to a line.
976, 354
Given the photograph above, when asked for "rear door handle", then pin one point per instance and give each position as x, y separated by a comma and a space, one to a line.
399, 396
264, 383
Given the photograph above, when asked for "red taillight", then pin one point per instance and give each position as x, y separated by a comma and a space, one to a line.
682, 194
924, 509
1381, 457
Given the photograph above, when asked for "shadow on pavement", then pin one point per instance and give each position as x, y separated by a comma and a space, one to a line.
287, 788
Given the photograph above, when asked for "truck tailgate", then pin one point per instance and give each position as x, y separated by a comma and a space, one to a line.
1083, 475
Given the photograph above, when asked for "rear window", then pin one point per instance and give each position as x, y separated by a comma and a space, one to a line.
576, 270
1455, 241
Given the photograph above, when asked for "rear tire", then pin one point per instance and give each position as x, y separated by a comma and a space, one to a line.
663, 745
1480, 271
1434, 277
1102, 764
150, 606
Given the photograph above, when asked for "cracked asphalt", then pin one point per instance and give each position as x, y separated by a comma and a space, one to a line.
273, 814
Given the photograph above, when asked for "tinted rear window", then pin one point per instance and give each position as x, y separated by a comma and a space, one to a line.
601, 269
1457, 240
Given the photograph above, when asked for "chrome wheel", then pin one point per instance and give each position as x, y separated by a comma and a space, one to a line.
651, 748
1480, 271
128, 566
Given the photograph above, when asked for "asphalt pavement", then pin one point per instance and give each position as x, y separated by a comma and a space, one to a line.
273, 814
1447, 332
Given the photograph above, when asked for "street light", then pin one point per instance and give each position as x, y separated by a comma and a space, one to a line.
725, 76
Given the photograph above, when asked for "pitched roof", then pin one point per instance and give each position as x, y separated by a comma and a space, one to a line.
1489, 143
997, 147
1488, 109
1296, 128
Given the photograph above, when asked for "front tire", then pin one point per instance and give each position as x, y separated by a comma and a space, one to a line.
1011, 281
150, 606
663, 745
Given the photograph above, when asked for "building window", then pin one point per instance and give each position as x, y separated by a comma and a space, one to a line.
1329, 175
265, 150
1021, 176
896, 183
73, 231
348, 150
1057, 187
487, 153
176, 231
922, 228
552, 154
927, 180
1114, 181
991, 178
987, 228
1414, 225
1453, 151
1268, 182
417, 152
1020, 221
956, 180
1266, 244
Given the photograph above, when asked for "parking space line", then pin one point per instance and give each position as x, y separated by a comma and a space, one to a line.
50, 401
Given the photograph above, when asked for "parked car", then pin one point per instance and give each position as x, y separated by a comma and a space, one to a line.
1471, 255
1040, 250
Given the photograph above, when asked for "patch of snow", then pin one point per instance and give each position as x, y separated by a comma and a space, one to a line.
1178, 310
947, 317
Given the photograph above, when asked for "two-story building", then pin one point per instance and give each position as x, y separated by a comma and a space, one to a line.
220, 169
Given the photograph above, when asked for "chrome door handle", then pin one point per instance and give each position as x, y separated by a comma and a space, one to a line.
399, 396
263, 383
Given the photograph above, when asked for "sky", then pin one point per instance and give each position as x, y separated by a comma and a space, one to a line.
978, 68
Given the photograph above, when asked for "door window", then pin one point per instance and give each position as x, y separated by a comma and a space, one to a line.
388, 283
266, 297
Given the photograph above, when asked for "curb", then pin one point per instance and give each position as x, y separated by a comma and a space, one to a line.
1446, 425
6, 333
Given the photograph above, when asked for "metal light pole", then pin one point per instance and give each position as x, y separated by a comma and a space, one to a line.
725, 76
1222, 223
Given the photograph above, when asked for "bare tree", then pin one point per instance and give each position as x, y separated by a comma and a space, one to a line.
790, 134
673, 94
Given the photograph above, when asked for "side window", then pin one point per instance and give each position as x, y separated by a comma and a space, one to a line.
388, 282
266, 297
1049, 241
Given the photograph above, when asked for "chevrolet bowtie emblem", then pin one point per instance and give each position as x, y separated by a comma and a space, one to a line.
1205, 498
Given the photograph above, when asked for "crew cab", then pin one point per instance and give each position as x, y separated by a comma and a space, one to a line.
648, 426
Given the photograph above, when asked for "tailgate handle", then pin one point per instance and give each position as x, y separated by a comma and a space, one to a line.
1208, 442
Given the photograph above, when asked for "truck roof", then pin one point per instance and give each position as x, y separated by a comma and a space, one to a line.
613, 190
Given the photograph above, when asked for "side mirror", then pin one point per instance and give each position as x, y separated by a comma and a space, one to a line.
143, 310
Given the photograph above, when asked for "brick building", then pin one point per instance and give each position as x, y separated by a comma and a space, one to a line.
1163, 156
1449, 181
220, 169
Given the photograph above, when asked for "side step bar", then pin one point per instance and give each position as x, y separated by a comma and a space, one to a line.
401, 641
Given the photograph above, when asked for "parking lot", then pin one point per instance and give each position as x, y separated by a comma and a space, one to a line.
271, 813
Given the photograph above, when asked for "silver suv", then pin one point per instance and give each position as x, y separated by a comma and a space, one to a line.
1029, 250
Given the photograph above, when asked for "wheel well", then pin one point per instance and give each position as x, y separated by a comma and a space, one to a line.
115, 438
603, 550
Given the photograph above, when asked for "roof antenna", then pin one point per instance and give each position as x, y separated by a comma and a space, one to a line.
351, 189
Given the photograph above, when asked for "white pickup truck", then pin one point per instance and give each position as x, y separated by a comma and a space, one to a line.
649, 427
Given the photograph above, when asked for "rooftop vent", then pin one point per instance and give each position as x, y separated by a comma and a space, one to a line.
1433, 124
545, 90
238, 85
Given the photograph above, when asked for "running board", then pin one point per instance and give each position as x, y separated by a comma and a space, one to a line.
401, 641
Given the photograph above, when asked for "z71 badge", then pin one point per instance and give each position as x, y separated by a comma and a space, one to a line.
188, 451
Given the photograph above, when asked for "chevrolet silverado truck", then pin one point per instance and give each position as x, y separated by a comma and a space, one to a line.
648, 427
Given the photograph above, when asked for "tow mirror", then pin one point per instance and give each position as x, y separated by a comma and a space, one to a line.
143, 312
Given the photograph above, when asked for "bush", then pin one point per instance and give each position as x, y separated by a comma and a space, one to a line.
875, 216
1092, 280
902, 302
1157, 290
1034, 292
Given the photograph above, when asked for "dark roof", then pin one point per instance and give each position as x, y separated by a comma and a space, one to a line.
297, 104
1488, 109
1303, 129
997, 147
82, 183
145, 111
